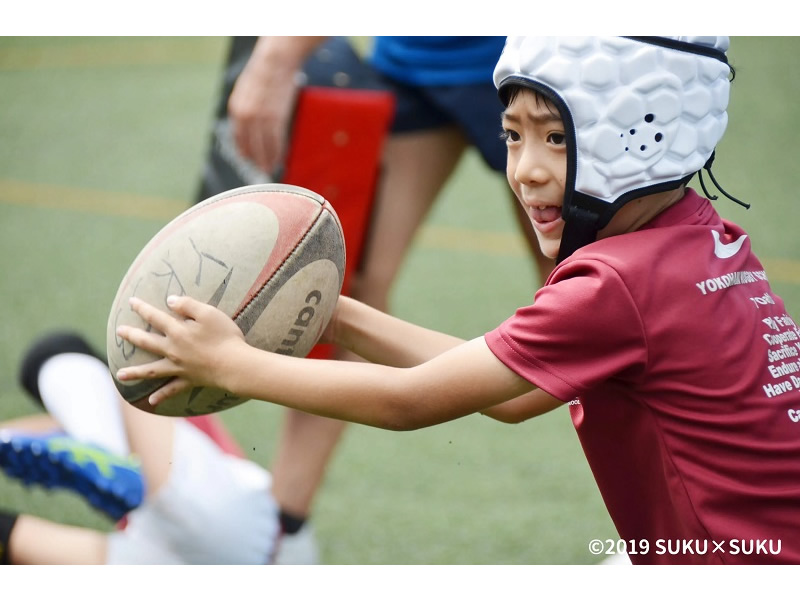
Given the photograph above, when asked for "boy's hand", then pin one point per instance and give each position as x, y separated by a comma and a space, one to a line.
194, 345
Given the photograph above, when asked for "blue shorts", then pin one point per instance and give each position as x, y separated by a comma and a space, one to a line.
474, 108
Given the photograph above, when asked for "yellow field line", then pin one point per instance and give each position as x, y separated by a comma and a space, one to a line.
455, 239
783, 270
91, 201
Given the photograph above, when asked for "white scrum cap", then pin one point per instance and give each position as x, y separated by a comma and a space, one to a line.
641, 114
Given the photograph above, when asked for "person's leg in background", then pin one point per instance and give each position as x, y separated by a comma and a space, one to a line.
418, 165
203, 505
64, 376
29, 540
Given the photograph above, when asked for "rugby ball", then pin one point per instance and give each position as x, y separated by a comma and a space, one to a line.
269, 256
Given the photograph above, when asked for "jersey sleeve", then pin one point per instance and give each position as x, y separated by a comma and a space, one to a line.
583, 328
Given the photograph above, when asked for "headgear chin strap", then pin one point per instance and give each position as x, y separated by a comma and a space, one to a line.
641, 115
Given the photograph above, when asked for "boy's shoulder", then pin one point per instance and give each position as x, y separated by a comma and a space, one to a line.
689, 239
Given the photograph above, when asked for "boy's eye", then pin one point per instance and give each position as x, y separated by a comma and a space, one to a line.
510, 135
559, 139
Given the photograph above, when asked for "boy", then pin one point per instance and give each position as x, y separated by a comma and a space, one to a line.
657, 328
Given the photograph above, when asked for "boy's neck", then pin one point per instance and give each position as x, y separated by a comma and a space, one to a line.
641, 211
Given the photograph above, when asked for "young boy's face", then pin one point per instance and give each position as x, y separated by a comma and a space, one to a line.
537, 164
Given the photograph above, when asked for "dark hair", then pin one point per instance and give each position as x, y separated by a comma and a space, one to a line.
509, 92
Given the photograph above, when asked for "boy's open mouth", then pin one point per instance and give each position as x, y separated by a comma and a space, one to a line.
546, 214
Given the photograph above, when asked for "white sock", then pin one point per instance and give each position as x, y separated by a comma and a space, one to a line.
77, 390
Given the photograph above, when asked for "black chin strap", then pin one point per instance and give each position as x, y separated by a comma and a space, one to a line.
583, 221
580, 229
707, 167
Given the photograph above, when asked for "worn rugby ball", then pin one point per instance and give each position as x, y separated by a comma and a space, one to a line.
270, 256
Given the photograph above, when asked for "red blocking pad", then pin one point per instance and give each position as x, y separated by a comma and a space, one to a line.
335, 150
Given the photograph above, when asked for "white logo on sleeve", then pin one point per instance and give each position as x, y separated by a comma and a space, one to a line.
722, 250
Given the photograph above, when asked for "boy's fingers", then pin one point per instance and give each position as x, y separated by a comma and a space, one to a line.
176, 386
155, 317
186, 306
146, 340
154, 370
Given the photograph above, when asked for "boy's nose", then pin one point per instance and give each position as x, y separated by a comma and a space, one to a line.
530, 169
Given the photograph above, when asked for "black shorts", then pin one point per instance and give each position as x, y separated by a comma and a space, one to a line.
474, 108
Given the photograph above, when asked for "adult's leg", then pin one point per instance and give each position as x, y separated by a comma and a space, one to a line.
417, 165
305, 448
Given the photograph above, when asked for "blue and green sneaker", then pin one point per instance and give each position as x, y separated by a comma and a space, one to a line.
110, 483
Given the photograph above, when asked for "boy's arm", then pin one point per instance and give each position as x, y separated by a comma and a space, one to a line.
383, 339
206, 348
522, 408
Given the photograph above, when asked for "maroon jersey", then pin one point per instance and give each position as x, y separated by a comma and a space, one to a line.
681, 368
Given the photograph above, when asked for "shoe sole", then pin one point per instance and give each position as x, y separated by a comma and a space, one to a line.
31, 462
